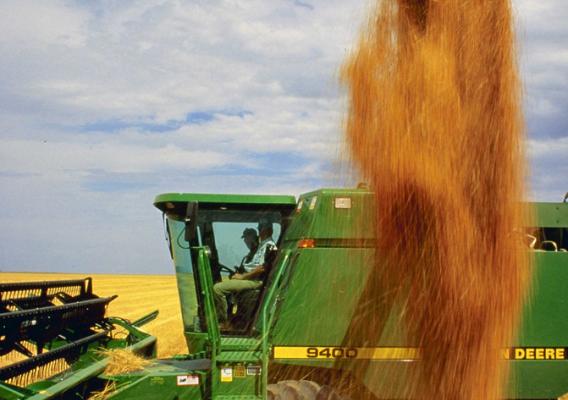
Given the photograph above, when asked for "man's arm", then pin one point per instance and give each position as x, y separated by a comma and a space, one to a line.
258, 259
250, 275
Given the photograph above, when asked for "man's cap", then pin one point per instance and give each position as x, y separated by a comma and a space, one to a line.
249, 232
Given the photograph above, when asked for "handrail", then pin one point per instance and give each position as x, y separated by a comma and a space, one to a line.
213, 332
206, 283
267, 316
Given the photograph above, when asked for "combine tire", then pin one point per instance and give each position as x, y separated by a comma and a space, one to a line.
302, 390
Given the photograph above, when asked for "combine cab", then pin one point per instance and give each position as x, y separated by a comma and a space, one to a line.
51, 337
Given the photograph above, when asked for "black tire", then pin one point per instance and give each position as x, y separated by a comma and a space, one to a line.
301, 390
327, 393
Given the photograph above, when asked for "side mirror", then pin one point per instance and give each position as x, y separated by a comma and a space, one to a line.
191, 221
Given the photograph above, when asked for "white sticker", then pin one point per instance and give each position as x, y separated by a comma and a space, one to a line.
187, 380
253, 370
300, 204
227, 374
313, 202
343, 202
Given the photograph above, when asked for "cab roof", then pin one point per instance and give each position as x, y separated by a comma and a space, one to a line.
169, 201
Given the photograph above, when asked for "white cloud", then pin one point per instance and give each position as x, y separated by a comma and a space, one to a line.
32, 24
549, 164
555, 150
68, 66
53, 157
543, 46
165, 59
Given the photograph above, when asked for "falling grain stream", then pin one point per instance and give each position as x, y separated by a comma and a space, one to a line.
435, 125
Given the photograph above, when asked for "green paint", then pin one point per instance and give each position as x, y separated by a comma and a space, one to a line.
551, 215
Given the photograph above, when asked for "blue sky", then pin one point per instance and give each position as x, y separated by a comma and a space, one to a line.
105, 104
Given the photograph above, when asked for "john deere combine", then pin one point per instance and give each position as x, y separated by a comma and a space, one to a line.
291, 336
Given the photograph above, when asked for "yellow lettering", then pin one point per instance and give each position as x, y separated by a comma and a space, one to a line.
530, 354
549, 354
535, 353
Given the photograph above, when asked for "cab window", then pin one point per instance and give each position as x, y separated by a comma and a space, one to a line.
230, 245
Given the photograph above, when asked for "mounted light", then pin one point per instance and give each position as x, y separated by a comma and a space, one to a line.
306, 244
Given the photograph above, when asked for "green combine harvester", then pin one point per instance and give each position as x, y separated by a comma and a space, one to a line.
293, 336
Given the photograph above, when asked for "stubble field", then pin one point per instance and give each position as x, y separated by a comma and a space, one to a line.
137, 296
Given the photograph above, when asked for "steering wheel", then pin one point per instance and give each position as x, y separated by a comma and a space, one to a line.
227, 269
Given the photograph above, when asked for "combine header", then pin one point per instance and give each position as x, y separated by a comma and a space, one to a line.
51, 334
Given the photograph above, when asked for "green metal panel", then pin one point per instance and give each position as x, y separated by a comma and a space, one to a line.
318, 217
552, 215
160, 380
325, 282
163, 386
321, 277
545, 324
545, 321
10, 392
546, 314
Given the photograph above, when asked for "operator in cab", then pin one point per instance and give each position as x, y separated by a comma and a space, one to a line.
250, 279
250, 239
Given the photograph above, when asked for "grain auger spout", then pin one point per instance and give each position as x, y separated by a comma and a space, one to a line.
51, 336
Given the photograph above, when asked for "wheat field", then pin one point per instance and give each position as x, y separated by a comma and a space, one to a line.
137, 296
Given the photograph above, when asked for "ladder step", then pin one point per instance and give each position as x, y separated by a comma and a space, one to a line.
239, 356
